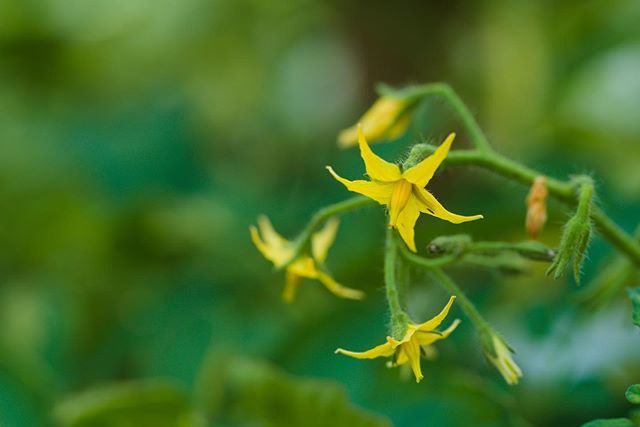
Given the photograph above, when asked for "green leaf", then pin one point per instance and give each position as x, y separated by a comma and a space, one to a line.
150, 403
633, 394
240, 391
634, 294
613, 422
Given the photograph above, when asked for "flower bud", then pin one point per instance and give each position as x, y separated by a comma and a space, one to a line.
498, 352
537, 207
456, 244
576, 234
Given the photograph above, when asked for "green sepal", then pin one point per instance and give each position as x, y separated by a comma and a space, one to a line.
576, 234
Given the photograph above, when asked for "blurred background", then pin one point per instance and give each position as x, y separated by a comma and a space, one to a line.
139, 139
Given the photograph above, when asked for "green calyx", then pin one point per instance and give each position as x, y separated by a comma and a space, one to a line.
576, 234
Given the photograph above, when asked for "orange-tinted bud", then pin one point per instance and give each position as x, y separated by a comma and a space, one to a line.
537, 207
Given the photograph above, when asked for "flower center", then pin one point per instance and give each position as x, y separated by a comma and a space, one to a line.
399, 198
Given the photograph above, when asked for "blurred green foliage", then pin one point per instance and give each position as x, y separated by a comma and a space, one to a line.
140, 138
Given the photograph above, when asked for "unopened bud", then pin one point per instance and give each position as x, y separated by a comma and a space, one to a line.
576, 234
537, 207
456, 244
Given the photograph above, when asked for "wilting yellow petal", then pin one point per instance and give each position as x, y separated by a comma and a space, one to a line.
504, 362
429, 337
406, 222
270, 236
378, 191
291, 283
277, 254
432, 207
422, 173
383, 350
381, 121
337, 289
399, 128
322, 240
378, 169
433, 323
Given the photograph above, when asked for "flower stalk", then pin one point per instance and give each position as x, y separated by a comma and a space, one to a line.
304, 238
399, 318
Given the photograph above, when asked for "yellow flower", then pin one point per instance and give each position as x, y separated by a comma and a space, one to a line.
417, 340
403, 191
388, 118
501, 359
278, 250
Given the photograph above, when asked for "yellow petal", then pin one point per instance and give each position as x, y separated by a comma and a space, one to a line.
304, 266
412, 350
429, 337
432, 207
430, 325
378, 191
337, 289
406, 222
291, 283
277, 254
400, 195
270, 236
383, 350
399, 128
504, 362
379, 122
322, 240
422, 173
377, 168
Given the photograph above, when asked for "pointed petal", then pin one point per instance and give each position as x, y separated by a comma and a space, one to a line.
271, 237
337, 289
422, 173
378, 191
291, 283
322, 240
430, 325
382, 350
407, 220
277, 254
400, 357
412, 350
377, 168
429, 337
432, 207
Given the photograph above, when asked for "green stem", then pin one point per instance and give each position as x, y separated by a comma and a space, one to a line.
321, 216
465, 304
399, 319
562, 191
447, 93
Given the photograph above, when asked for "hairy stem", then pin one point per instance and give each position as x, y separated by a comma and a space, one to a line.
399, 319
321, 216
563, 191
460, 108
